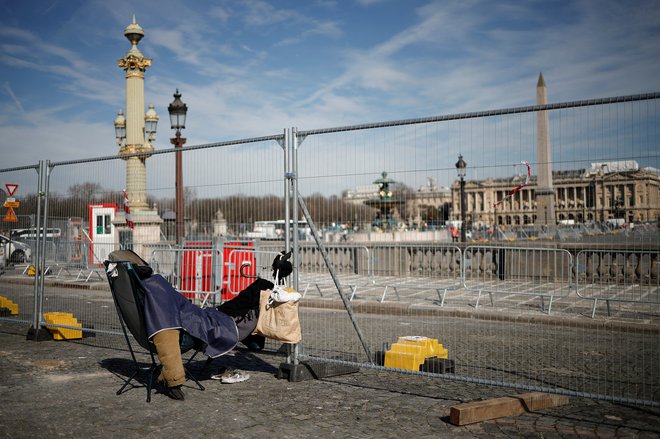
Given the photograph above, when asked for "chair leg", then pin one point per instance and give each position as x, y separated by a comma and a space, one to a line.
153, 368
189, 374
192, 377
192, 357
127, 382
150, 381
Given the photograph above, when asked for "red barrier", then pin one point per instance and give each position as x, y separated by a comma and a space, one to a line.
196, 272
196, 268
235, 254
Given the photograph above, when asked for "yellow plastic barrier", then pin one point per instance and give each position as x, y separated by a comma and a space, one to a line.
63, 318
32, 271
11, 306
430, 345
410, 352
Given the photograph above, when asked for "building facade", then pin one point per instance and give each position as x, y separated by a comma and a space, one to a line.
606, 192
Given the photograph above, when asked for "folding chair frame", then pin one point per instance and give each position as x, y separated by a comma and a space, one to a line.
153, 368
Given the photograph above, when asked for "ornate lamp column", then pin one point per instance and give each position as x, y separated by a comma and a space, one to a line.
135, 132
135, 64
178, 110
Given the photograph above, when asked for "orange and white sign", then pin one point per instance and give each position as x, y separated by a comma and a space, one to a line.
11, 202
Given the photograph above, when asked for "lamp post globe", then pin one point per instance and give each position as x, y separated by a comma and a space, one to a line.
150, 124
178, 111
120, 128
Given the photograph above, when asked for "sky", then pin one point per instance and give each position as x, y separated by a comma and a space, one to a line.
255, 67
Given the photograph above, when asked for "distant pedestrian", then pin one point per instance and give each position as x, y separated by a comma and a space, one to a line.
454, 234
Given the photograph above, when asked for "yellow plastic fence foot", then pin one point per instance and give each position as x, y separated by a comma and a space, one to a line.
63, 318
414, 353
11, 307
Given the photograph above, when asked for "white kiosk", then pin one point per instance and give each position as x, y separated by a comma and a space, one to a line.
101, 232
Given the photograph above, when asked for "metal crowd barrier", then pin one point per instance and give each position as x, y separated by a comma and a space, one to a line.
411, 270
352, 265
373, 272
618, 276
76, 260
193, 271
542, 272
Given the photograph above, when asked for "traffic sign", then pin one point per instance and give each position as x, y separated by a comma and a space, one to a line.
11, 202
11, 188
10, 216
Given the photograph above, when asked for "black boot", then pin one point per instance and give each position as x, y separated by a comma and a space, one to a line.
175, 393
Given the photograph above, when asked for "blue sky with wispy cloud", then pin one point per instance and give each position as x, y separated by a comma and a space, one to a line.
255, 67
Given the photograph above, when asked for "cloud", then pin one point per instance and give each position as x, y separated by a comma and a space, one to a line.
324, 29
369, 2
13, 97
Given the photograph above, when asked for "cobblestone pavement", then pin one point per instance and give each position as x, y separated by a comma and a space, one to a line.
67, 389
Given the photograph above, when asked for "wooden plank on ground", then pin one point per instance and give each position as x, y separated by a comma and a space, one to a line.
478, 411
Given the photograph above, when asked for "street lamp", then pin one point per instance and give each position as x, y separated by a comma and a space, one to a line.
120, 128
150, 123
460, 168
178, 110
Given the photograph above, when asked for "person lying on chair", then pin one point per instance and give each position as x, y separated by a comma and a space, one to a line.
171, 319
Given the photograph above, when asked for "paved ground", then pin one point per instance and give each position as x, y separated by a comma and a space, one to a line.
67, 389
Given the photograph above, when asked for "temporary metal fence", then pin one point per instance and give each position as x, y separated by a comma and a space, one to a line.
631, 276
27, 213
386, 257
511, 344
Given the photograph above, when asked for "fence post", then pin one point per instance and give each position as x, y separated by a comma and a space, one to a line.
36, 332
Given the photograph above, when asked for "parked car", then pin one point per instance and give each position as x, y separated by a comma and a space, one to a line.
15, 251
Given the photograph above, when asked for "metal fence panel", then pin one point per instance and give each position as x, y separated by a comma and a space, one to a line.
539, 272
17, 300
227, 188
385, 198
381, 170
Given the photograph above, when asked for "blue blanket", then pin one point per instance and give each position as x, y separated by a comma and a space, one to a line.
166, 308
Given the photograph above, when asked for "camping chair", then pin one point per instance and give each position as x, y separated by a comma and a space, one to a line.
128, 294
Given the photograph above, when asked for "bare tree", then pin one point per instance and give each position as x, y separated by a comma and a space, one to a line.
87, 191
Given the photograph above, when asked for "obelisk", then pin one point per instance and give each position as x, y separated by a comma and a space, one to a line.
545, 194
